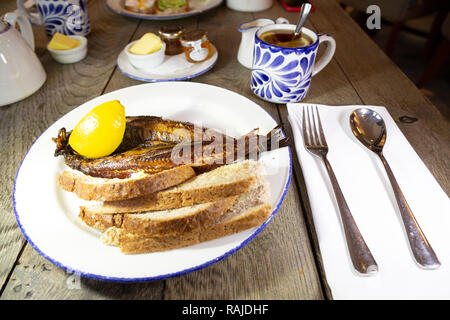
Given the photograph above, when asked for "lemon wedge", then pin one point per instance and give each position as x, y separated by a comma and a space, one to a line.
100, 132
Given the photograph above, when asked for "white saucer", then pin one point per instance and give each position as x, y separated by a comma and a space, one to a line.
173, 68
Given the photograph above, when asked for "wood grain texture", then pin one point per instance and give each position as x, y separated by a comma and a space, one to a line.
283, 262
15, 142
35, 278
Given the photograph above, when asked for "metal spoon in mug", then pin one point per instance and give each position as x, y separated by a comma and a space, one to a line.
286, 37
304, 12
370, 129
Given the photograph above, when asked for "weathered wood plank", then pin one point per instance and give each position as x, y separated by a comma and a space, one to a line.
67, 86
36, 278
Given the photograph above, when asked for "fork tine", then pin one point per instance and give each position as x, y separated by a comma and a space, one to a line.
305, 131
312, 127
322, 135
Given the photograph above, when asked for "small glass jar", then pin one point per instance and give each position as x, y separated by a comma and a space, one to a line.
196, 45
171, 36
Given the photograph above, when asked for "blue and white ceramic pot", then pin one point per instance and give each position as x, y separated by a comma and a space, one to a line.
282, 75
69, 17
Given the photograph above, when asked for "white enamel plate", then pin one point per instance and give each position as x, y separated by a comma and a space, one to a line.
48, 216
196, 7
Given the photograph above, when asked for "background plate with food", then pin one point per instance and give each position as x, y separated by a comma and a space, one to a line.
48, 215
161, 9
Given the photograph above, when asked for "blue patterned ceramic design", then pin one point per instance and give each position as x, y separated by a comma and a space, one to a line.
69, 17
283, 75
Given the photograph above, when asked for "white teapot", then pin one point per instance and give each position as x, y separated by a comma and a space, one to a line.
21, 72
248, 30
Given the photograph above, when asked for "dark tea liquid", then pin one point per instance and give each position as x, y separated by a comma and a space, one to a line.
285, 38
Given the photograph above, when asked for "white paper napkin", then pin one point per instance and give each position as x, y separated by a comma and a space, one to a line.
366, 187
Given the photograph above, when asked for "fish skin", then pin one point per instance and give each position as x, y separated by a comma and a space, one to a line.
151, 159
149, 146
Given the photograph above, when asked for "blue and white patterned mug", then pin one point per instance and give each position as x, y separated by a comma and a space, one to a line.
69, 17
282, 75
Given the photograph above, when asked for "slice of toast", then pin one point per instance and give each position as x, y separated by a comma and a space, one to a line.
181, 220
102, 189
249, 210
225, 181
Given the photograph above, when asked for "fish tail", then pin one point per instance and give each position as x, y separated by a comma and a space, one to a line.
273, 140
62, 142
255, 144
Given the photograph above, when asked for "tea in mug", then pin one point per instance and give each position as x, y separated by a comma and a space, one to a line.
286, 38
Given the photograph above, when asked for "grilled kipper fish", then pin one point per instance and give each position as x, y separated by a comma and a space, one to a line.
152, 144
140, 130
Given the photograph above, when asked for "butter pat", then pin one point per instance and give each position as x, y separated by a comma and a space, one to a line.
149, 43
62, 42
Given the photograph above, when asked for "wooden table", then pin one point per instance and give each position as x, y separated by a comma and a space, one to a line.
284, 261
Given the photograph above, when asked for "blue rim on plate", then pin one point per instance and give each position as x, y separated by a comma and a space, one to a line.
128, 13
159, 277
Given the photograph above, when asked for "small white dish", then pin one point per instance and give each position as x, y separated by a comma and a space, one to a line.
249, 5
145, 61
71, 55
173, 68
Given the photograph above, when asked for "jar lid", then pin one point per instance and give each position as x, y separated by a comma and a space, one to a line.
171, 32
193, 36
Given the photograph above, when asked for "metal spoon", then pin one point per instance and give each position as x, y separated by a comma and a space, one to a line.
370, 129
304, 12
286, 37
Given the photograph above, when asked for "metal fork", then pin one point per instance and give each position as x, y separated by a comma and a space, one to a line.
316, 144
